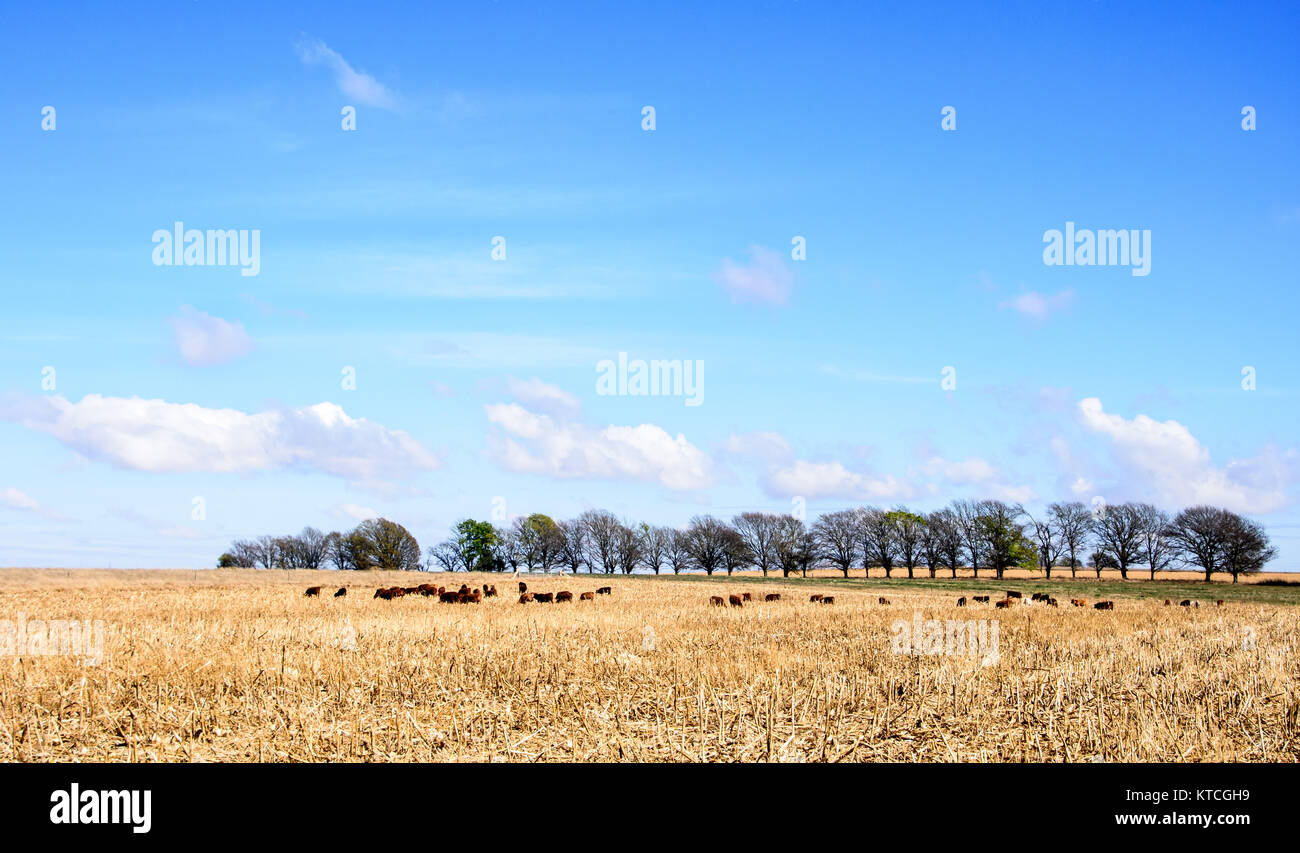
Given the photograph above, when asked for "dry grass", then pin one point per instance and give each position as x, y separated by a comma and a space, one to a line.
240, 666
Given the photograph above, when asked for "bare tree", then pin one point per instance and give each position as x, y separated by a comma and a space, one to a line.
909, 534
879, 538
736, 555
602, 532
836, 535
1199, 532
1118, 530
791, 544
1074, 522
654, 546
706, 542
627, 548
574, 550
1158, 549
1246, 548
676, 551
758, 530
967, 515
1047, 537
944, 535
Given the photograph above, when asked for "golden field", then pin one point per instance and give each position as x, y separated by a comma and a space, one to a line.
237, 665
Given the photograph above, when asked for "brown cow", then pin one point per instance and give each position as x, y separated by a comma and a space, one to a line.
388, 593
1104, 605
1083, 602
489, 590
1166, 602
449, 597
1219, 603
746, 597
961, 602
1051, 602
772, 596
828, 599
982, 599
342, 592
605, 590
312, 590
587, 596
1186, 602
525, 598
523, 587
884, 600
1011, 593
736, 601
1006, 602
716, 601
545, 597
816, 597
563, 595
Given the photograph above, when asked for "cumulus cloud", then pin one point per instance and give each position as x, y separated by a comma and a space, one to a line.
11, 498
1037, 306
543, 397
540, 444
970, 470
354, 512
813, 480
158, 436
356, 85
765, 279
203, 340
1177, 467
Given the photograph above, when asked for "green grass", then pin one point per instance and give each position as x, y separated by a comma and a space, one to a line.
1059, 587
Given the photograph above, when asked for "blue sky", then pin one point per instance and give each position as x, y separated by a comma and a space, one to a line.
476, 378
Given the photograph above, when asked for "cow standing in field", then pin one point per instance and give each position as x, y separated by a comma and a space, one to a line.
525, 598
815, 597
489, 590
772, 596
982, 599
828, 599
605, 590
1104, 605
884, 600
716, 601
1186, 602
563, 595
312, 590
1219, 603
544, 597
1006, 602
1166, 602
736, 601
342, 592
587, 596
746, 597
1083, 602
1011, 593
523, 587
961, 602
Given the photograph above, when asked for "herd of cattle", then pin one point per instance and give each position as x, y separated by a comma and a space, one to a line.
465, 595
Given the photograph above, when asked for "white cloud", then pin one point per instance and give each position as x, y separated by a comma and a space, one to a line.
1037, 306
356, 85
13, 499
1177, 467
203, 340
354, 512
539, 444
766, 278
543, 397
832, 480
970, 470
158, 436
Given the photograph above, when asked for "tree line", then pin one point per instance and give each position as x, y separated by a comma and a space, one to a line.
983, 535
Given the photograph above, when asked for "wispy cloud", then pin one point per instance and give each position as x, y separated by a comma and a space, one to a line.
356, 85
1037, 306
765, 279
203, 340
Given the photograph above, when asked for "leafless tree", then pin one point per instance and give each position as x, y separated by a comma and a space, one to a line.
967, 515
574, 550
602, 532
706, 542
909, 534
1158, 548
836, 535
1200, 533
1074, 522
1047, 538
1118, 531
879, 538
676, 551
758, 530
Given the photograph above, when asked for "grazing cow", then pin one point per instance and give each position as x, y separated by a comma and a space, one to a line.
449, 597
563, 595
1011, 593
982, 599
342, 592
525, 598
961, 602
1166, 602
746, 597
884, 600
489, 590
716, 601
587, 596
1051, 602
545, 597
523, 587
605, 590
772, 596
1186, 602
312, 590
1038, 596
817, 597
828, 599
736, 601
1083, 602
1006, 602
1104, 605
1219, 603
388, 593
